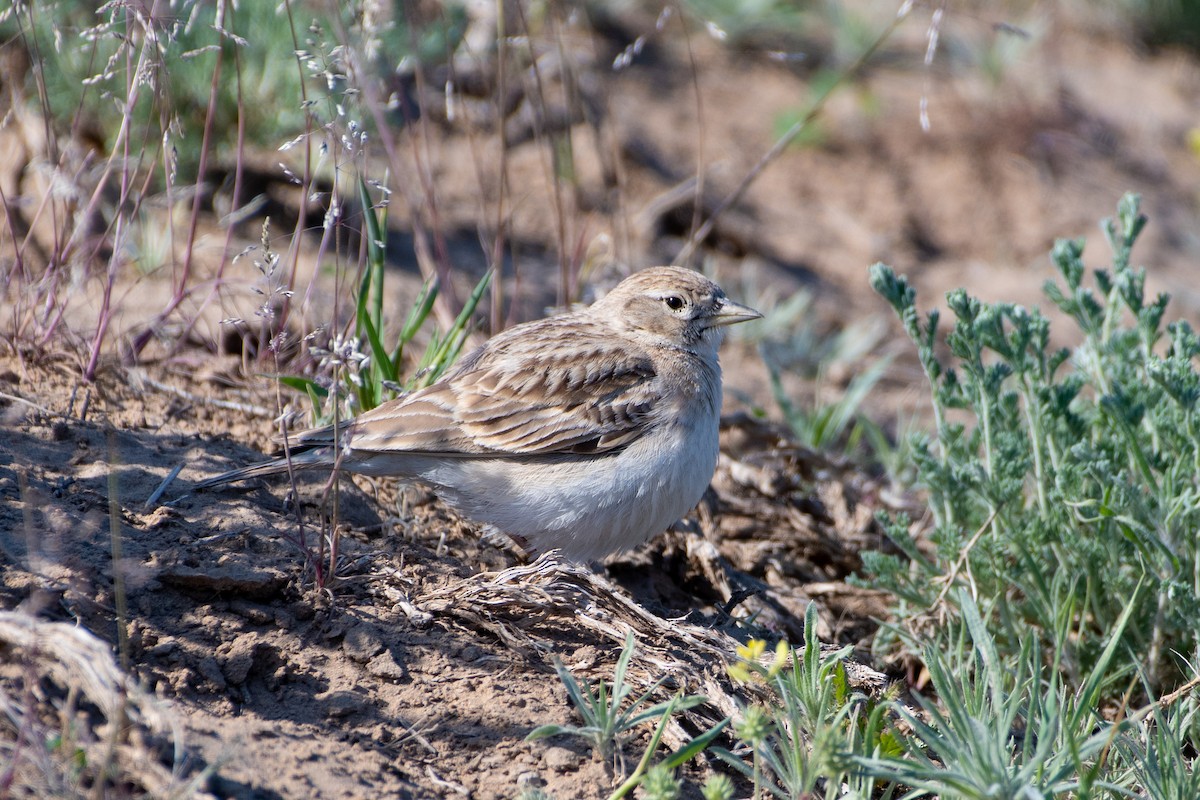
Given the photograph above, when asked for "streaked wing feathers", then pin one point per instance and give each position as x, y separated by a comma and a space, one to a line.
567, 391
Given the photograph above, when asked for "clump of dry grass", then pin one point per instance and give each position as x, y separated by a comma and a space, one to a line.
524, 605
73, 724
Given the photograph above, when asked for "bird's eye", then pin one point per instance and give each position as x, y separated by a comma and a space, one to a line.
674, 302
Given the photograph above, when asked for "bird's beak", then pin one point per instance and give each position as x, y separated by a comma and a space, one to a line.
731, 313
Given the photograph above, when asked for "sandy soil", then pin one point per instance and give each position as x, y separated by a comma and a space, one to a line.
415, 665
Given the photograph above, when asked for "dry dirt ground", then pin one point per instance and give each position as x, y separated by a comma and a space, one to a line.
429, 657
418, 668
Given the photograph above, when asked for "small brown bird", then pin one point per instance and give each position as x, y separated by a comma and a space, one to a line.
587, 432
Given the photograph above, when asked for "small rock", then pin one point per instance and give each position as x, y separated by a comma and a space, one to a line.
384, 666
560, 759
163, 648
281, 674
362, 642
160, 517
341, 704
211, 670
584, 658
255, 615
239, 659
233, 578
332, 629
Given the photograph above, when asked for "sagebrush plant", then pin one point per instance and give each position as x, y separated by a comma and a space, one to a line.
1159, 753
1070, 494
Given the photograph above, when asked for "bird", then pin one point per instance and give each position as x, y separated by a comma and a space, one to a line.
588, 432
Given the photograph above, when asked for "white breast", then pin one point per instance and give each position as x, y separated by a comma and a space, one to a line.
589, 508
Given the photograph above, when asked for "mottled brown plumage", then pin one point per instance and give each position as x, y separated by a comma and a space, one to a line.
588, 432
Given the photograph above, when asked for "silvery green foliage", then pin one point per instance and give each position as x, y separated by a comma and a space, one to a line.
1059, 479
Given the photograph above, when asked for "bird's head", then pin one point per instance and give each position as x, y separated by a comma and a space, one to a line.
676, 305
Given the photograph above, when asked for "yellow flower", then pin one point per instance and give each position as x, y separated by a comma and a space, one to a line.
739, 672
783, 654
1193, 141
752, 650
748, 654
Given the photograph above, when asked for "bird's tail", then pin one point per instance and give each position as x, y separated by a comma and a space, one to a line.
310, 459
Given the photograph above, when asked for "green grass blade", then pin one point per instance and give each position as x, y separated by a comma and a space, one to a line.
644, 764
420, 310
456, 337
545, 731
697, 745
375, 255
416, 318
574, 692
302, 384
381, 362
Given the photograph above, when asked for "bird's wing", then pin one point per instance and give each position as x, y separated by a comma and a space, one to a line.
554, 389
